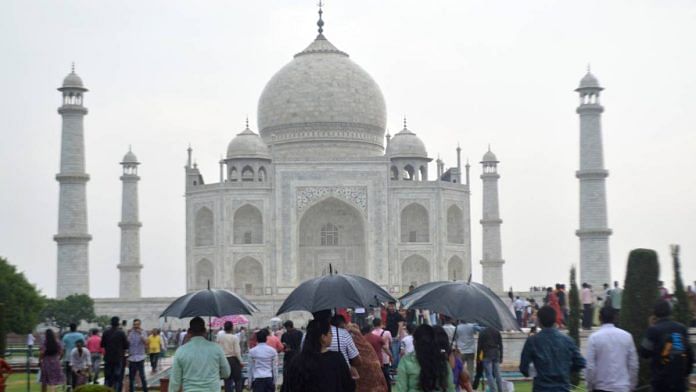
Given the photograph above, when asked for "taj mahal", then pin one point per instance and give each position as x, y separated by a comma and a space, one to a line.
320, 184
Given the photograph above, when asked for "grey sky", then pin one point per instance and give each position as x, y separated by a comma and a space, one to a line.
162, 74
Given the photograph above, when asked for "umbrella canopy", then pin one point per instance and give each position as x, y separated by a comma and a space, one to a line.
236, 319
209, 302
466, 301
334, 291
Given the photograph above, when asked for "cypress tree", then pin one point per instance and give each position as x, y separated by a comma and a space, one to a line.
639, 297
681, 306
574, 318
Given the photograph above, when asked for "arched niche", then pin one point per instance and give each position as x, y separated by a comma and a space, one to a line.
415, 224
204, 227
455, 225
247, 225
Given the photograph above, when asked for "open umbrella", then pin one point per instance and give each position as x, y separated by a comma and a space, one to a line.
209, 302
466, 301
236, 319
334, 291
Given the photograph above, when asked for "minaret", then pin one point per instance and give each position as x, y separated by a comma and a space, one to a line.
492, 261
129, 266
594, 233
73, 237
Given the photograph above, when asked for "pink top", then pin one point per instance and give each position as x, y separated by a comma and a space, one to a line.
94, 344
386, 342
586, 296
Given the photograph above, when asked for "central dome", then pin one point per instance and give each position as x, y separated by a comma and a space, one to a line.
322, 105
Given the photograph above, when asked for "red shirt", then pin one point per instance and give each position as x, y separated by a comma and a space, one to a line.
94, 344
376, 342
274, 342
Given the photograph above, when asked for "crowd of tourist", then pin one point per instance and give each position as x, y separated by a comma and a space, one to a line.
381, 349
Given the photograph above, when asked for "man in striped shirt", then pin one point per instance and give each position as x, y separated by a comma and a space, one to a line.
342, 342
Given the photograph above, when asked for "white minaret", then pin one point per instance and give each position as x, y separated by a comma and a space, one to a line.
130, 266
73, 237
492, 260
594, 233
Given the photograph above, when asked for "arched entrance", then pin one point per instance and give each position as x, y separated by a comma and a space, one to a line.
331, 232
415, 270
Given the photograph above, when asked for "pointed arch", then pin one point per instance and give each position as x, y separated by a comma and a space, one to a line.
204, 273
415, 270
394, 173
247, 227
455, 225
204, 227
232, 174
262, 174
409, 173
455, 269
247, 173
423, 173
248, 276
415, 224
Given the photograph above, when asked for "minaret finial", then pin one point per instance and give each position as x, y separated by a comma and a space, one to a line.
130, 149
72, 68
320, 22
247, 121
405, 127
589, 68
489, 147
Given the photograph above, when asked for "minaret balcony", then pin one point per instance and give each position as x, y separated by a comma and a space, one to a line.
72, 238
593, 233
592, 174
72, 178
72, 109
130, 225
590, 108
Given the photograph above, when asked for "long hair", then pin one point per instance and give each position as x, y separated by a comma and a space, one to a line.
304, 367
433, 362
442, 340
51, 343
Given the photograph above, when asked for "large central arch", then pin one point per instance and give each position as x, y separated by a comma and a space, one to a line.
331, 232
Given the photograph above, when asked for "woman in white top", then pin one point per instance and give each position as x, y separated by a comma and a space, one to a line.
80, 362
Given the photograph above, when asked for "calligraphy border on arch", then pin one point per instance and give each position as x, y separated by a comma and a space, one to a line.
307, 195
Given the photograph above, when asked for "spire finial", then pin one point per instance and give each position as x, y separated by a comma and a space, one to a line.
320, 22
458, 147
489, 147
130, 149
72, 67
405, 127
247, 121
589, 68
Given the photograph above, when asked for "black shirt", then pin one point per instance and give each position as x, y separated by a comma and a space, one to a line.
491, 343
332, 375
653, 344
393, 319
115, 343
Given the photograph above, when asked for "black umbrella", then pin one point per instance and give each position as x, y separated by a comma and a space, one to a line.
466, 301
334, 291
209, 302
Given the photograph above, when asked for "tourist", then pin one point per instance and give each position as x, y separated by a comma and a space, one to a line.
154, 348
519, 305
229, 343
612, 362
5, 373
316, 368
553, 354
553, 303
448, 326
263, 364
69, 341
243, 336
342, 342
292, 341
466, 344
49, 362
490, 343
136, 355
616, 296
274, 341
587, 299
427, 368
80, 363
562, 301
407, 340
369, 369
395, 321
460, 377
181, 337
115, 343
662, 290
385, 351
666, 343
95, 353
198, 365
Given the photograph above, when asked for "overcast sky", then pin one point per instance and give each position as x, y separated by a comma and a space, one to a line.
165, 73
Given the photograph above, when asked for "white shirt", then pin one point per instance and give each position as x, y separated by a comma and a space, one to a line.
612, 362
342, 342
449, 330
30, 339
80, 362
263, 361
407, 344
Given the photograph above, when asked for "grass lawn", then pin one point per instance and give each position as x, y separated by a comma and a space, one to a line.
18, 383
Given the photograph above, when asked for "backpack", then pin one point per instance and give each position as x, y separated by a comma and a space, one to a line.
673, 355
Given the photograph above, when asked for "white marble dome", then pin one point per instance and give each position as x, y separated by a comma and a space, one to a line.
489, 157
247, 144
129, 157
320, 99
73, 81
406, 144
589, 81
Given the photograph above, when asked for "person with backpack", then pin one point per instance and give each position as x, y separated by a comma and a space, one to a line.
666, 343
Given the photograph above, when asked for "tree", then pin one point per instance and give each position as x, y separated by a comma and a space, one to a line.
21, 303
681, 310
72, 309
639, 297
574, 318
102, 321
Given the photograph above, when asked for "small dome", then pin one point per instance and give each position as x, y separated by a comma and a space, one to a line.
406, 144
589, 81
130, 157
73, 81
489, 157
247, 144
